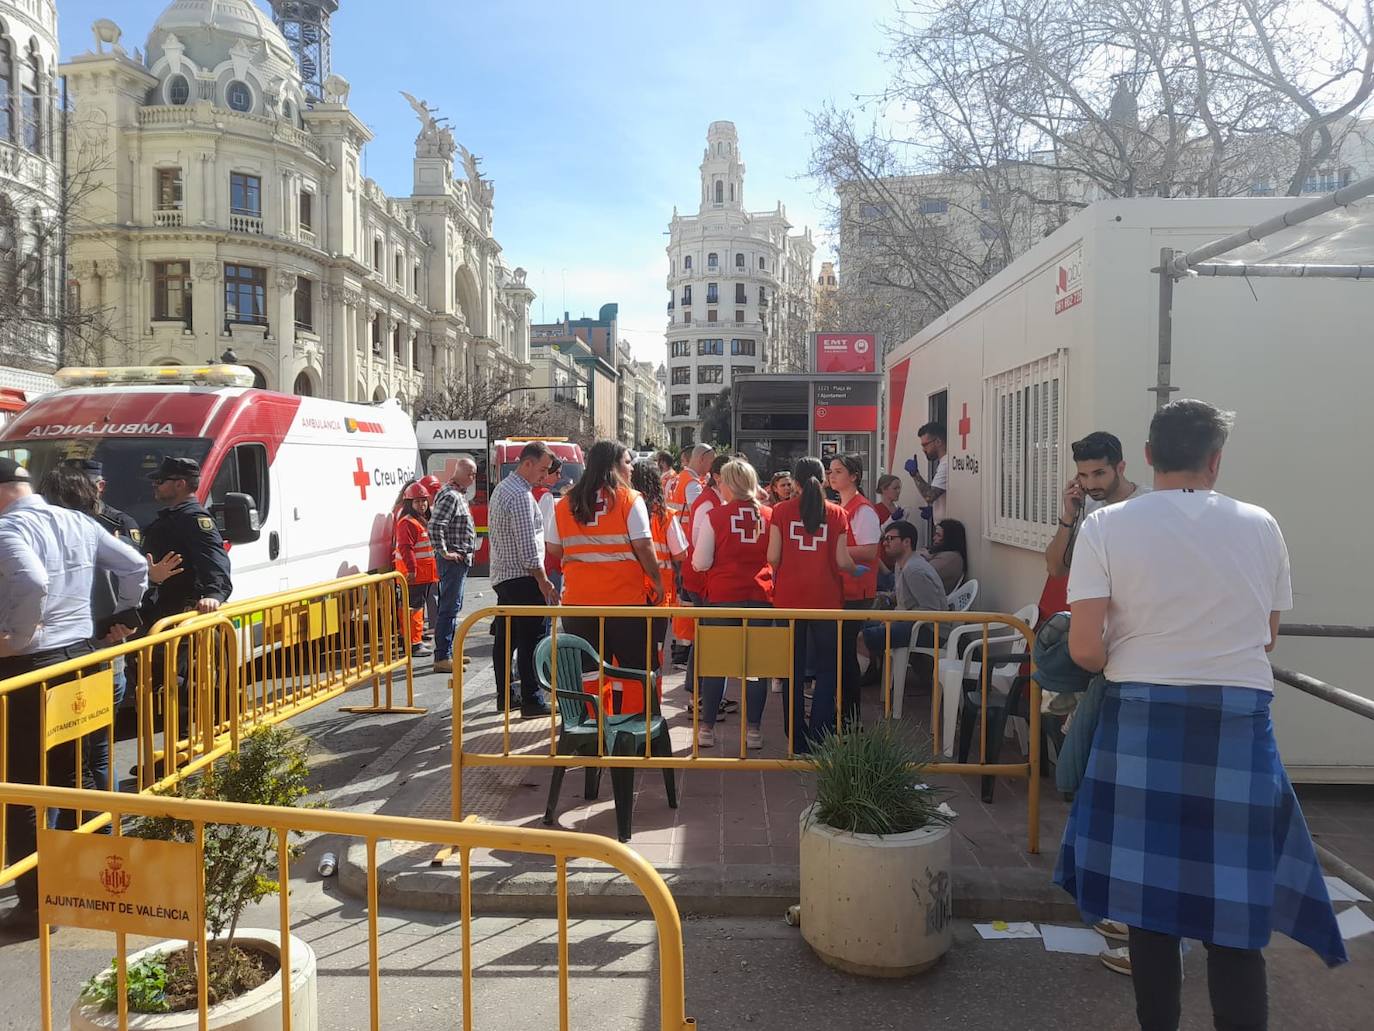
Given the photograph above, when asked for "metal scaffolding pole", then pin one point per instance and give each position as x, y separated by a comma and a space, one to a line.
1179, 264
1281, 271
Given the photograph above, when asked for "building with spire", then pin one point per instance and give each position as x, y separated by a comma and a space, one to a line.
739, 290
238, 218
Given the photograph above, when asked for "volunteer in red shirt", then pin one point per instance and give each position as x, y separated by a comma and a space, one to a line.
601, 532
865, 528
732, 552
670, 543
685, 490
808, 552
693, 582
889, 494
413, 555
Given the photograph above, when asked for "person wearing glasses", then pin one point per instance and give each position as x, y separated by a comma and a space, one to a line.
917, 588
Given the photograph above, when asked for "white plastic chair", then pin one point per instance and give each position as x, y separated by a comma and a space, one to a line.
960, 600
1002, 640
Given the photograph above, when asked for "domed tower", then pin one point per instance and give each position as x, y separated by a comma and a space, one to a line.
305, 24
722, 171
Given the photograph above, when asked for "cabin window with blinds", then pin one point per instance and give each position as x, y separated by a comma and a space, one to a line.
1023, 412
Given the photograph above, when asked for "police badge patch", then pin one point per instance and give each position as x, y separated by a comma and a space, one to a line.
205, 523
136, 536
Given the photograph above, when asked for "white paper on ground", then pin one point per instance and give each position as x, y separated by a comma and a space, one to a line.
1354, 922
1082, 941
1340, 891
1007, 930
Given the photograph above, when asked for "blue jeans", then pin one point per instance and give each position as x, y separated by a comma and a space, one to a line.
822, 637
452, 576
713, 688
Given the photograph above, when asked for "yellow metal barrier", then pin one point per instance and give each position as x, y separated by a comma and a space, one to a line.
760, 647
73, 700
306, 646
463, 837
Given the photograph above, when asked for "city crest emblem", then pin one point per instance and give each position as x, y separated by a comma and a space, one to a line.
78, 703
114, 878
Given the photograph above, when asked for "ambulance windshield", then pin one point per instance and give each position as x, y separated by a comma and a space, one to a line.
567, 475
126, 463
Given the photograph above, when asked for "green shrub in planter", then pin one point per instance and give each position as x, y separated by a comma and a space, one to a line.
870, 781
269, 768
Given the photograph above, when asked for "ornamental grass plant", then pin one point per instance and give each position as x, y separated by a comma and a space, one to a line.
869, 780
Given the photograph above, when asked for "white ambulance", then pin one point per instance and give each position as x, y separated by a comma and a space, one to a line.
303, 488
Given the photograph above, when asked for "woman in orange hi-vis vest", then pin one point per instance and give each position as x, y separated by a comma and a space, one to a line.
413, 555
601, 531
670, 543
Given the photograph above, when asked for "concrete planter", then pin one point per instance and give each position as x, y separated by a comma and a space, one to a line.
875, 905
258, 1010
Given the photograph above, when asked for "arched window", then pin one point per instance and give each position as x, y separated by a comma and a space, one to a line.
178, 89
687, 263
286, 109
720, 192
9, 247
304, 386
259, 377
6, 89
238, 96
712, 261
30, 75
379, 395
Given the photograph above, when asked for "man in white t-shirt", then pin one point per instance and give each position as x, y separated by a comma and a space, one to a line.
1099, 481
1185, 825
932, 439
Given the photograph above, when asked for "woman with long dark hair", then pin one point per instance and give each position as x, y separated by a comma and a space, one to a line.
809, 556
601, 531
670, 543
949, 552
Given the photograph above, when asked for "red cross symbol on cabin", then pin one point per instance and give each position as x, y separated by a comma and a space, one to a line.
361, 479
964, 426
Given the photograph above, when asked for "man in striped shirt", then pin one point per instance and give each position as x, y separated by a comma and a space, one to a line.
455, 541
515, 530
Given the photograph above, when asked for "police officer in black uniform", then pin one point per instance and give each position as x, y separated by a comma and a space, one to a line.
119, 523
187, 529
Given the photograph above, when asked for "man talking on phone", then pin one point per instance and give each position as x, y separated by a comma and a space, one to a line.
1099, 482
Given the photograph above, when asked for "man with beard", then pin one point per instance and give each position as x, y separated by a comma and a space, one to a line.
1100, 481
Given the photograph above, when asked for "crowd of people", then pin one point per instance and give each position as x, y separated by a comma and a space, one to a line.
701, 531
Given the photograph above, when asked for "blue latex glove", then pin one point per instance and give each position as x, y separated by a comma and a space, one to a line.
913, 466
927, 512
859, 570
898, 513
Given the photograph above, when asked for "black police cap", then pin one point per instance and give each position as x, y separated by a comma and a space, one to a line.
175, 469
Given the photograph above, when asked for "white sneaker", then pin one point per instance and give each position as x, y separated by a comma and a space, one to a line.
753, 738
706, 737
1112, 930
1118, 960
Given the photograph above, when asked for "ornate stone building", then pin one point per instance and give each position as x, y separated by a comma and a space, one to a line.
739, 290
30, 187
237, 218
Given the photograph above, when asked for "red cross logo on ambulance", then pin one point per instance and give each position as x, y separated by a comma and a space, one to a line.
362, 479
746, 527
807, 541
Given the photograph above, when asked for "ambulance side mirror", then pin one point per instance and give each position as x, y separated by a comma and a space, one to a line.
240, 519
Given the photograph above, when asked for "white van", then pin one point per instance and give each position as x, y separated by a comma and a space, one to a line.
303, 488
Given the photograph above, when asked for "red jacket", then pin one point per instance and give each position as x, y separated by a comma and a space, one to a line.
739, 569
808, 575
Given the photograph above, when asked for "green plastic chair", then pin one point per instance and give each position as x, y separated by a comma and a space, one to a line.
578, 731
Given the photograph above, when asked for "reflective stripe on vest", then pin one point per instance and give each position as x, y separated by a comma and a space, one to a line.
599, 563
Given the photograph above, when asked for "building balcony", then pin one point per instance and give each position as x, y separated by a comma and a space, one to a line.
307, 236
167, 218
245, 223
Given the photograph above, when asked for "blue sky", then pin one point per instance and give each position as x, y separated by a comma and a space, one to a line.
590, 116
